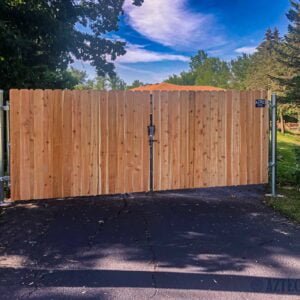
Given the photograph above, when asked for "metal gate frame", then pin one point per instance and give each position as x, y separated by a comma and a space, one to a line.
4, 144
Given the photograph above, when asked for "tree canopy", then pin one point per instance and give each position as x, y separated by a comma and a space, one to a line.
204, 70
290, 53
40, 39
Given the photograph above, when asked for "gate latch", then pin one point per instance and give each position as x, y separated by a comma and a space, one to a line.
151, 133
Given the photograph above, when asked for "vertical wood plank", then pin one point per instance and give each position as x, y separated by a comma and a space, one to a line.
169, 141
48, 150
174, 141
214, 139
57, 143
229, 146
191, 144
104, 135
206, 107
164, 141
39, 143
86, 142
112, 141
184, 140
199, 139
157, 117
15, 103
136, 146
243, 138
25, 127
76, 145
251, 144
129, 137
67, 149
145, 144
221, 139
94, 179
120, 185
236, 150
96, 112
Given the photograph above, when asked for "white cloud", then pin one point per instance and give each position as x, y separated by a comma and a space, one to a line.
138, 54
171, 23
129, 74
246, 50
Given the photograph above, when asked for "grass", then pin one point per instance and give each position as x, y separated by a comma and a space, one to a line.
288, 206
288, 159
288, 175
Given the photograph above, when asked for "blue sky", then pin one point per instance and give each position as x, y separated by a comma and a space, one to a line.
161, 35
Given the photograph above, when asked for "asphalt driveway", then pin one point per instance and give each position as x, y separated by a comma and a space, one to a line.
198, 244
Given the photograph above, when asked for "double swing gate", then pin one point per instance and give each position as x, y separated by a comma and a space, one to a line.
67, 143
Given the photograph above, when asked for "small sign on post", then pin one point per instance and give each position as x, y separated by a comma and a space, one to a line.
260, 103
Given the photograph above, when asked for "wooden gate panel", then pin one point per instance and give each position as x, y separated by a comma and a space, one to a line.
208, 139
78, 143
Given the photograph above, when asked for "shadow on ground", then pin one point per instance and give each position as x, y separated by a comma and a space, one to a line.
221, 239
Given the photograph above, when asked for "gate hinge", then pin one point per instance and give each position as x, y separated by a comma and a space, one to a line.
4, 178
5, 107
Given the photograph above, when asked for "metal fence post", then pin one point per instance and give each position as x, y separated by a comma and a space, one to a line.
8, 139
273, 164
151, 133
1, 148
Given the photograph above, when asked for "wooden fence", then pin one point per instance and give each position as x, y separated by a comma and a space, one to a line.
78, 143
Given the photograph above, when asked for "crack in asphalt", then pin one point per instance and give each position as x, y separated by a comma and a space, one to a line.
92, 237
38, 276
153, 261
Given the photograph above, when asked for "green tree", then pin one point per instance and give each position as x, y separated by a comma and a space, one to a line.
198, 60
213, 72
265, 65
240, 70
103, 83
136, 84
99, 83
40, 39
116, 83
204, 70
185, 78
79, 76
290, 54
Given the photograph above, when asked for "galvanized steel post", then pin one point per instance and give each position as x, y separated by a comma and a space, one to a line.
7, 139
1, 148
273, 164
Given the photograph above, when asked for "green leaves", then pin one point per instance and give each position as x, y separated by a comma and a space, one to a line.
39, 39
204, 70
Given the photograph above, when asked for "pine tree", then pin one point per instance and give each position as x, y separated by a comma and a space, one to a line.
291, 52
266, 67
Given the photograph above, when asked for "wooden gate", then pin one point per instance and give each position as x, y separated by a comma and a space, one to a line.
78, 143
207, 139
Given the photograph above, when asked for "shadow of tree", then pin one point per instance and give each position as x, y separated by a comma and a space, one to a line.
187, 239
